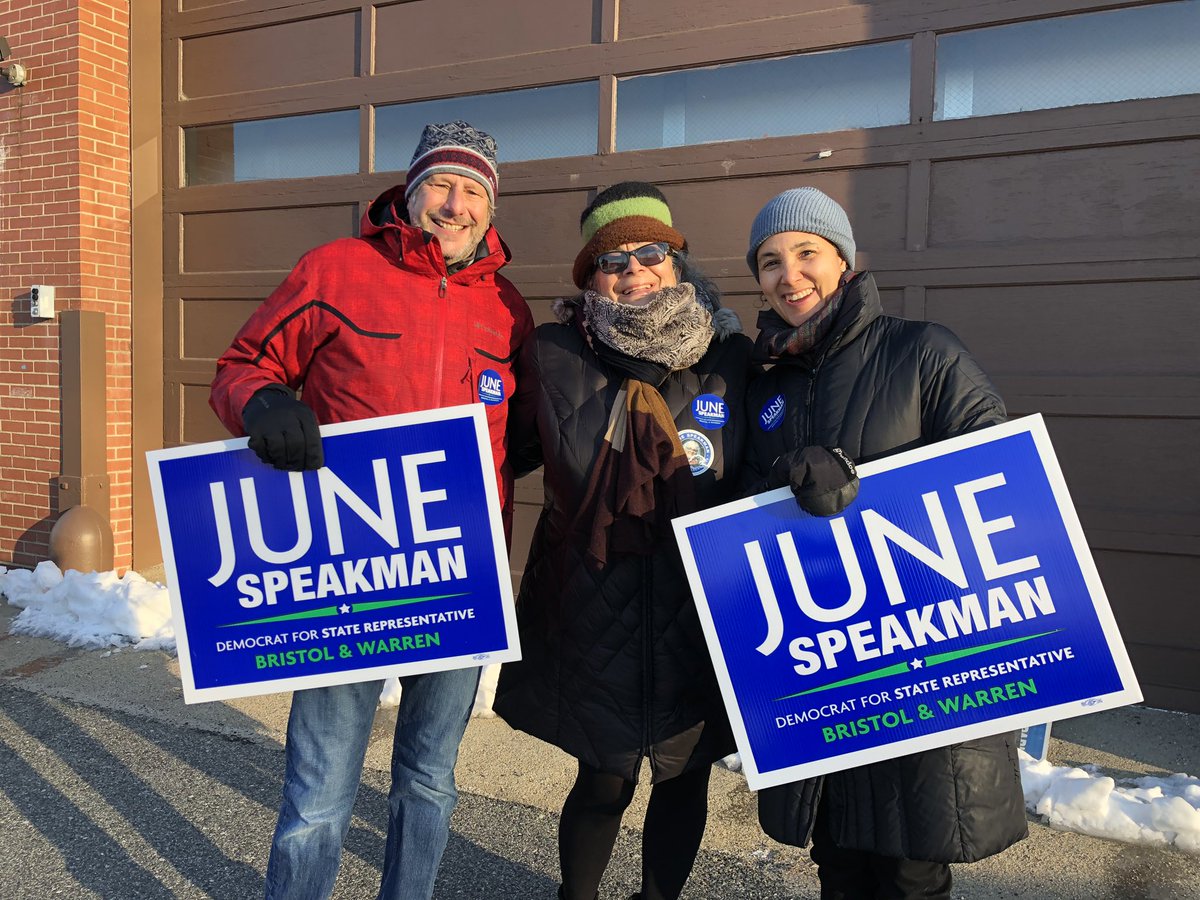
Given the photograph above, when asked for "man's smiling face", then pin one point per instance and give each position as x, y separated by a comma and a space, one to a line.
455, 210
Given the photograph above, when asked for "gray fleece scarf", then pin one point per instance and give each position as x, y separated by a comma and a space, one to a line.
673, 329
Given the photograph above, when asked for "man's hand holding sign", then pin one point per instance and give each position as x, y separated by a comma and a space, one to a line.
379, 563
954, 598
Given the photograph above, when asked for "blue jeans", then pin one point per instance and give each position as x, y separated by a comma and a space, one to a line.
327, 737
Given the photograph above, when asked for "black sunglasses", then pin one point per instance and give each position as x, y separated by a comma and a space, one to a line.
616, 261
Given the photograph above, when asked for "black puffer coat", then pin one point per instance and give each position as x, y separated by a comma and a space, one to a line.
874, 386
614, 665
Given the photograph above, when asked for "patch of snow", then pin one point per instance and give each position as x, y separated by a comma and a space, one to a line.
1152, 810
93, 610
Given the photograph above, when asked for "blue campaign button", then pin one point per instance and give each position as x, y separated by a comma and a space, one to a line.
491, 387
710, 411
771, 416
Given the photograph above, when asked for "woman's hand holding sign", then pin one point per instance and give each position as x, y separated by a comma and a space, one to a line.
823, 479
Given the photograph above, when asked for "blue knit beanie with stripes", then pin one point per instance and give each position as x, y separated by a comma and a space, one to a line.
802, 209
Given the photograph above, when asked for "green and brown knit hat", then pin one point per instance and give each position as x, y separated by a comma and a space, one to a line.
627, 213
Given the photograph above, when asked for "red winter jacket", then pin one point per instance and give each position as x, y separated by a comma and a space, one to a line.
374, 326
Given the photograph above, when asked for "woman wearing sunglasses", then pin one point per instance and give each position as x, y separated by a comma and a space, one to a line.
633, 405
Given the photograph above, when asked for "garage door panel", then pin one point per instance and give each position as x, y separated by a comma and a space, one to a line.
413, 35
1106, 193
1165, 670
525, 516
261, 239
1187, 700
307, 52
210, 325
716, 216
892, 302
1078, 329
200, 423
542, 230
1149, 597
1128, 464
641, 18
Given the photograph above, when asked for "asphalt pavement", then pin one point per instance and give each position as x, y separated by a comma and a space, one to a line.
112, 787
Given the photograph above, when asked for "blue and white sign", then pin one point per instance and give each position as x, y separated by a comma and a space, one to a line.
710, 411
955, 598
390, 560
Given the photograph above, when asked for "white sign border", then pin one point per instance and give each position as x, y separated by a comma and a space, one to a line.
193, 694
1035, 426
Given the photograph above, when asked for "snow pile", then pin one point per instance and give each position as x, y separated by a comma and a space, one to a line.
390, 695
93, 610
1148, 810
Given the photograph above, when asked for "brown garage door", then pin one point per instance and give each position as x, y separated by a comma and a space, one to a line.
1044, 213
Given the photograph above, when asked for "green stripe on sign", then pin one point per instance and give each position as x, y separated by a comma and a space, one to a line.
325, 611
898, 669
290, 617
902, 668
384, 604
939, 658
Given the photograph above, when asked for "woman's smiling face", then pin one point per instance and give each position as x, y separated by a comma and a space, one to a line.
797, 273
636, 283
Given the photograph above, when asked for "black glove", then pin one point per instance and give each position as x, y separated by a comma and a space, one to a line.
283, 431
823, 479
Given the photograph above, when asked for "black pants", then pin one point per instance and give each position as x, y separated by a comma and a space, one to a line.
591, 818
859, 875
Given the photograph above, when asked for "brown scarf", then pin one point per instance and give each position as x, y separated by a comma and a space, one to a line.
640, 480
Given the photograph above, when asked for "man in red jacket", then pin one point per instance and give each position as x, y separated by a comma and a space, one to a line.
411, 315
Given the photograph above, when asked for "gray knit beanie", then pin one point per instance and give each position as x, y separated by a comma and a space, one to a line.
802, 209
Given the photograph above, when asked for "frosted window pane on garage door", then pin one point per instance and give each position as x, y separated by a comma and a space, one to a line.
859, 87
1101, 57
289, 147
534, 123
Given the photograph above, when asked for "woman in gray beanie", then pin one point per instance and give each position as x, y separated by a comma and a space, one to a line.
845, 384
632, 403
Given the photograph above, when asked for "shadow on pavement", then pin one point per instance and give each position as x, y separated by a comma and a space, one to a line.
92, 858
66, 823
195, 769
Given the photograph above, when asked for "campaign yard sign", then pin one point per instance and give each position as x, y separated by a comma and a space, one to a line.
954, 599
390, 560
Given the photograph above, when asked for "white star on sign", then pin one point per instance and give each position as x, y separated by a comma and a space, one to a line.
344, 608
917, 663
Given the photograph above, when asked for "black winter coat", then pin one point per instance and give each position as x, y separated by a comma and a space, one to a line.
877, 385
614, 665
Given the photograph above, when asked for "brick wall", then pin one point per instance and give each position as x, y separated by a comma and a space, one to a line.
64, 221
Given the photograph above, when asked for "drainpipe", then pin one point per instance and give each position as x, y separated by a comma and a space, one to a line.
82, 538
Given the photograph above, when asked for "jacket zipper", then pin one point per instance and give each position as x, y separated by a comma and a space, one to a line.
440, 357
812, 390
808, 407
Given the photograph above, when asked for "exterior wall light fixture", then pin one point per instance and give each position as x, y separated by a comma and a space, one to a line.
16, 73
